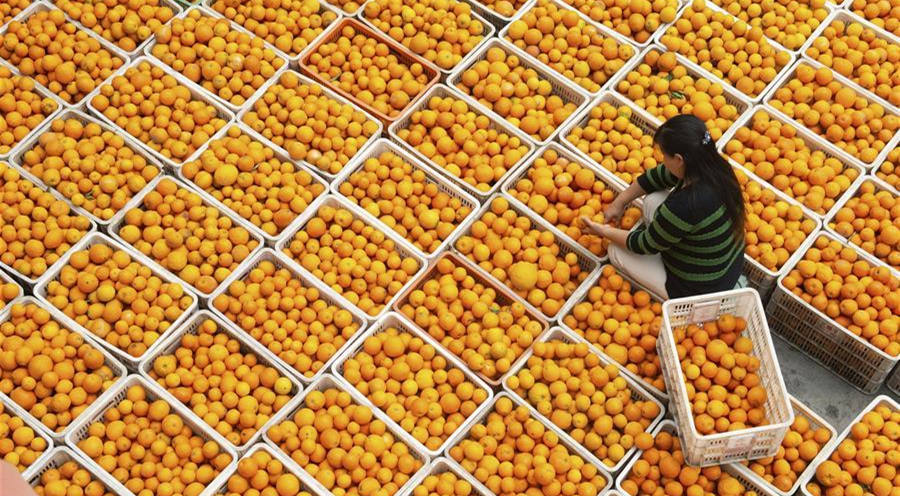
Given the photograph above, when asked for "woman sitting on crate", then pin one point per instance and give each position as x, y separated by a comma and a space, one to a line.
692, 238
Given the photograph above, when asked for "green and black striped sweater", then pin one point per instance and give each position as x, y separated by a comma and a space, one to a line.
692, 232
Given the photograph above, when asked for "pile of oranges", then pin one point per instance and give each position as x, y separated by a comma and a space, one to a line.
343, 446
369, 70
222, 382
246, 176
506, 8
52, 50
511, 452
89, 165
23, 108
623, 322
729, 48
261, 473
586, 398
866, 457
305, 332
352, 257
836, 112
871, 220
665, 88
350, 7
117, 298
69, 478
861, 297
127, 24
441, 31
611, 139
463, 142
190, 238
516, 92
12, 8
53, 373
563, 191
774, 228
800, 446
400, 194
523, 256
226, 62
889, 171
288, 25
636, 19
580, 52
8, 292
883, 14
720, 370
788, 22
661, 469
21, 445
146, 446
859, 54
483, 327
37, 228
779, 155
311, 126
415, 386
158, 111
444, 484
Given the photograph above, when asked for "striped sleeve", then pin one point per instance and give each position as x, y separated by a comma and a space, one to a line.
657, 179
666, 231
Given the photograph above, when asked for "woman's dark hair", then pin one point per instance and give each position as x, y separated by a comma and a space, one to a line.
686, 135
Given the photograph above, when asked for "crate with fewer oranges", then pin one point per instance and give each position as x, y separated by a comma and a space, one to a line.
839, 305
790, 158
725, 386
561, 189
870, 438
309, 334
638, 20
665, 85
519, 89
489, 329
266, 471
835, 110
62, 472
25, 447
622, 320
368, 68
787, 22
870, 219
444, 478
522, 251
570, 385
727, 47
581, 52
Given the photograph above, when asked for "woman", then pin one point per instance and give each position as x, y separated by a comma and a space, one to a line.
692, 238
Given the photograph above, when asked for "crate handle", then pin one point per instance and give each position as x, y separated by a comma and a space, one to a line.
704, 312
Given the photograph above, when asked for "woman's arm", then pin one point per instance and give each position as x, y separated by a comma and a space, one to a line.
613, 234
616, 208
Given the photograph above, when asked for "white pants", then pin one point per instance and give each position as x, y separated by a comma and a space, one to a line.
646, 270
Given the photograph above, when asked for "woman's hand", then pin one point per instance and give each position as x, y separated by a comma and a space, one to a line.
12, 483
614, 211
592, 227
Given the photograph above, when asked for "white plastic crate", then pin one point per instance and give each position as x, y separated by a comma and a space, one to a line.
98, 410
440, 466
893, 382
11, 408
277, 455
197, 94
586, 262
176, 10
818, 336
323, 383
639, 117
384, 145
815, 422
118, 221
59, 456
248, 346
327, 92
638, 393
500, 125
564, 440
279, 155
325, 293
745, 444
504, 296
882, 400
670, 427
117, 368
402, 324
568, 91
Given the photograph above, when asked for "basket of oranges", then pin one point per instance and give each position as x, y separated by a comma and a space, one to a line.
63, 472
723, 378
28, 447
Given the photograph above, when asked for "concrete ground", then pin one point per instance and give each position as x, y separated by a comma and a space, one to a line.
827, 394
